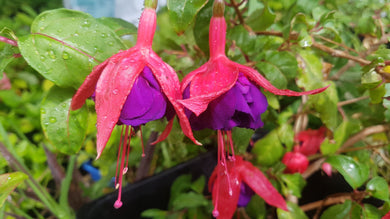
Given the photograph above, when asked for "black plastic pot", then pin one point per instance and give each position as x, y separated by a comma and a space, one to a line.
152, 192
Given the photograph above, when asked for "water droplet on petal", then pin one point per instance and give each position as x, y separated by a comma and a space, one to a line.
115, 91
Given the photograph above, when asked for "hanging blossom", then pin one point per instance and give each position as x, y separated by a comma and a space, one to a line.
234, 182
130, 89
309, 142
220, 95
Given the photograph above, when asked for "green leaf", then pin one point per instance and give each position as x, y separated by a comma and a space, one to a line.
268, 150
154, 213
198, 185
181, 184
65, 45
6, 57
294, 183
377, 93
339, 211
8, 182
378, 188
66, 133
294, 212
241, 138
371, 212
119, 26
343, 131
183, 12
256, 208
202, 24
273, 74
189, 200
324, 103
353, 172
261, 19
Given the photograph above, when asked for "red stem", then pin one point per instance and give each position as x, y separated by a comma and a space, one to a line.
8, 41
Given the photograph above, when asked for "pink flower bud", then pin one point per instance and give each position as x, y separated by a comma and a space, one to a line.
295, 162
327, 168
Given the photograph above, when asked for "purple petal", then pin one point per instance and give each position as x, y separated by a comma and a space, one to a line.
145, 101
241, 106
246, 194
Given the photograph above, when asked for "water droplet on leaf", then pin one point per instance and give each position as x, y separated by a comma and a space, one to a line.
65, 55
52, 120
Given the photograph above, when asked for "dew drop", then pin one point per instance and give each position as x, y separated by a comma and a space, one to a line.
59, 30
51, 54
43, 111
110, 43
86, 23
42, 58
52, 120
115, 91
65, 55
42, 28
104, 35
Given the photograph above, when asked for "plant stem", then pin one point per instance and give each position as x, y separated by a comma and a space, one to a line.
144, 166
65, 184
8, 41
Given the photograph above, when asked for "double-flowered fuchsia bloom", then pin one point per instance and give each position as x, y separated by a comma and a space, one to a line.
220, 95
132, 88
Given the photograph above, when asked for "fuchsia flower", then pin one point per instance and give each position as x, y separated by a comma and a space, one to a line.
295, 161
310, 140
226, 184
220, 95
132, 88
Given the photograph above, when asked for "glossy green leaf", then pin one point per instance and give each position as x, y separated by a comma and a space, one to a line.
343, 131
65, 129
294, 183
269, 149
64, 45
294, 212
183, 12
371, 212
378, 188
8, 182
340, 211
353, 172
119, 26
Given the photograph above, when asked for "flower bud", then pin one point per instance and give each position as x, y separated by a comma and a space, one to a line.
295, 162
327, 168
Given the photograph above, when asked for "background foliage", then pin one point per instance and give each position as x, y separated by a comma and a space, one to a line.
295, 44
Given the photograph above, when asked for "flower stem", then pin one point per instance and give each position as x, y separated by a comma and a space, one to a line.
218, 8
151, 4
8, 41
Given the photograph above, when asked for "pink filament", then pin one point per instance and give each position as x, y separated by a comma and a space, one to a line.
142, 142
124, 148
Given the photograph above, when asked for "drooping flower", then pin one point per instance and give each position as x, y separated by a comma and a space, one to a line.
226, 183
132, 88
295, 161
222, 94
310, 140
